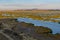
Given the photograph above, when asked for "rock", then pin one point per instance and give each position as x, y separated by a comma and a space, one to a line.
25, 31
42, 30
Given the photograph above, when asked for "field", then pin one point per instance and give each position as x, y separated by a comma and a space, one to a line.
46, 15
15, 30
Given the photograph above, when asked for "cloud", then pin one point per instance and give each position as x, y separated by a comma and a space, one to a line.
28, 6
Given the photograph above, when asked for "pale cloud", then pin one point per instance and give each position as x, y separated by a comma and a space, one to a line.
28, 6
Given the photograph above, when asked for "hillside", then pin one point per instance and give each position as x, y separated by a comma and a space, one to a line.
11, 29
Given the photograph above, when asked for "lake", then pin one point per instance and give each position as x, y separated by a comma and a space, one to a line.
55, 27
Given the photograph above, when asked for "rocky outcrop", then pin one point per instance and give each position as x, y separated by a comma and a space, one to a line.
25, 31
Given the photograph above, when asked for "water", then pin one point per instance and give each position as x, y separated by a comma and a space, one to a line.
55, 18
55, 27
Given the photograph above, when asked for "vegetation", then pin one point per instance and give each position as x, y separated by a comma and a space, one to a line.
45, 15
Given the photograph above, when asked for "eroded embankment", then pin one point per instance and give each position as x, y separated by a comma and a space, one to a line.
26, 31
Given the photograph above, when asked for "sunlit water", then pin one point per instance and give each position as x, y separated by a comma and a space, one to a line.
55, 27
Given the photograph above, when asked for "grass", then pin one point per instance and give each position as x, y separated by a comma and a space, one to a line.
34, 14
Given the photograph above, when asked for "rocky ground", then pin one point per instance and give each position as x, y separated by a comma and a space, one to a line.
11, 29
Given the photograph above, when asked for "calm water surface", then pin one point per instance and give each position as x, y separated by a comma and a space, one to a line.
55, 27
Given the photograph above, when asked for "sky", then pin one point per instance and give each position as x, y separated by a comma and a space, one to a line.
29, 4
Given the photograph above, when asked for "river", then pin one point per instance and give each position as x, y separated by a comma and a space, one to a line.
55, 27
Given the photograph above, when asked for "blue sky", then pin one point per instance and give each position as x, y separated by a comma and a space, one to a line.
44, 4
30, 1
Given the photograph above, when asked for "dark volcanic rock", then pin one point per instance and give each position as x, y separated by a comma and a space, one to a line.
14, 29
2, 37
13, 34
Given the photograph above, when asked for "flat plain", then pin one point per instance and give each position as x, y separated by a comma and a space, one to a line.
46, 15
